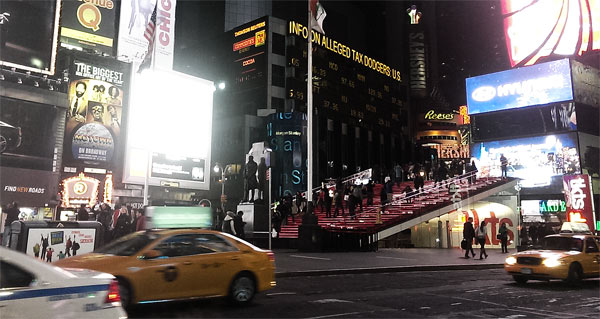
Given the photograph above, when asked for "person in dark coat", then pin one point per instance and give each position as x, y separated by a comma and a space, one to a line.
104, 217
328, 201
250, 177
503, 232
338, 198
370, 193
82, 213
123, 225
468, 235
238, 224
262, 178
12, 214
383, 197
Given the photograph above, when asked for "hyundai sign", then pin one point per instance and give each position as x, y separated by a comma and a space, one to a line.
533, 85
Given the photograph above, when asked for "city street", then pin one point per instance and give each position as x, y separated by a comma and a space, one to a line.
443, 294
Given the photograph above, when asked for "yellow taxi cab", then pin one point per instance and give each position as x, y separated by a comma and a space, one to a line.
164, 265
570, 257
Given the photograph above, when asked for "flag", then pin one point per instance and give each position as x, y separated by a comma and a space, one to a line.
317, 15
149, 35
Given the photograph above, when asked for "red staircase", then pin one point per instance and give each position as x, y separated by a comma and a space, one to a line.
399, 211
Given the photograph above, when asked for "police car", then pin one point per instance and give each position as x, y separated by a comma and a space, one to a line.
30, 288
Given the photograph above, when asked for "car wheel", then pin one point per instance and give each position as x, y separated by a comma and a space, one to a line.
575, 274
3, 144
242, 290
125, 293
521, 280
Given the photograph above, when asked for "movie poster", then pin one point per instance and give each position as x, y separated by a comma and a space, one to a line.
97, 96
52, 244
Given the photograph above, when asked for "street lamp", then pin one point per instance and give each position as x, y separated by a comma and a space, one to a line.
216, 169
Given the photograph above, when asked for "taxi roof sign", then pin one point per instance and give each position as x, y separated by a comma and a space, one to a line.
166, 217
575, 228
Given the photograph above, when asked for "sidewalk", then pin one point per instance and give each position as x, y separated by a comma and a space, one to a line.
292, 263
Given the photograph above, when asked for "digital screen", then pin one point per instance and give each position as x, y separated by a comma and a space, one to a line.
178, 217
533, 85
171, 114
538, 29
29, 33
28, 134
538, 161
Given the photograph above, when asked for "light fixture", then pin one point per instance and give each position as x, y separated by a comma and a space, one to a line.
1, 77
19, 81
217, 168
222, 86
36, 84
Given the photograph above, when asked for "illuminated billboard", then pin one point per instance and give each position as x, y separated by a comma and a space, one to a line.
170, 122
579, 199
534, 85
97, 97
89, 24
539, 160
29, 33
134, 17
537, 29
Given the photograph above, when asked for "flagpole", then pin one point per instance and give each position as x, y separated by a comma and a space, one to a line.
309, 110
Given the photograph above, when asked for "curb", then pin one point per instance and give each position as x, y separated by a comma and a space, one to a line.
375, 270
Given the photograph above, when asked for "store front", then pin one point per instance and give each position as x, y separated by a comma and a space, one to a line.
35, 192
446, 231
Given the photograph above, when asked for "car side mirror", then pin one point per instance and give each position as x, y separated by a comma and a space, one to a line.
152, 254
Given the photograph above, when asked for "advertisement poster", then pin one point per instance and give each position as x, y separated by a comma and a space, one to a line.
89, 24
579, 199
96, 101
52, 244
533, 85
134, 17
539, 161
181, 168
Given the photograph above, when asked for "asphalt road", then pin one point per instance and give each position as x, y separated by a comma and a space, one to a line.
442, 294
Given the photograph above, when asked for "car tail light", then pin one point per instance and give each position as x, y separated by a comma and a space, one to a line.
271, 256
113, 292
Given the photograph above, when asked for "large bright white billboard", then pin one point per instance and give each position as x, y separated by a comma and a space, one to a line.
170, 121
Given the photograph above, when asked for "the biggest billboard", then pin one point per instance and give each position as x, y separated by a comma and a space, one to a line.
538, 29
97, 96
539, 161
533, 85
29, 33
170, 125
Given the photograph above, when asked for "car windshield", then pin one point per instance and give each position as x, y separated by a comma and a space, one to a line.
563, 243
128, 245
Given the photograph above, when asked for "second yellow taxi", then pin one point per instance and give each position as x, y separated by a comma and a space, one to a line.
570, 257
162, 265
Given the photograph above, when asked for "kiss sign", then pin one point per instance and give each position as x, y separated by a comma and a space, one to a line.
580, 207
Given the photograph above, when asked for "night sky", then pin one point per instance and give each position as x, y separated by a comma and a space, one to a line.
468, 35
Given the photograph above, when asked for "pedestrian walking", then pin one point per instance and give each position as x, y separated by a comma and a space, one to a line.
140, 223
357, 194
481, 234
468, 235
473, 170
104, 217
370, 193
338, 198
12, 214
504, 165
503, 235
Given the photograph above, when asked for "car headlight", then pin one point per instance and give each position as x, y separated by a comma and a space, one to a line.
511, 260
551, 262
